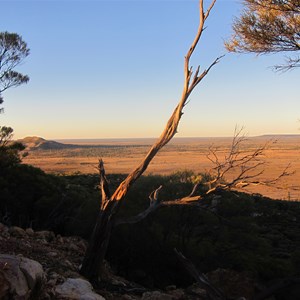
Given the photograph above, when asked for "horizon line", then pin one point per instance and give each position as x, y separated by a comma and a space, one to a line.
155, 138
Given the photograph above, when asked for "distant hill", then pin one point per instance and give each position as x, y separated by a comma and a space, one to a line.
38, 143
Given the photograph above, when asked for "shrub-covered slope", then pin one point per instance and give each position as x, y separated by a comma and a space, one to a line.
236, 231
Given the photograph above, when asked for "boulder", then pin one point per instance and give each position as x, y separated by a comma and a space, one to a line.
73, 247
32, 270
17, 231
18, 276
4, 286
177, 294
48, 236
156, 295
196, 290
76, 289
29, 231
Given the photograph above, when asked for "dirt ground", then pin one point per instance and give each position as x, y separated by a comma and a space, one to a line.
181, 154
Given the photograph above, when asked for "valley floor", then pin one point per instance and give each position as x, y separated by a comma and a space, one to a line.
181, 154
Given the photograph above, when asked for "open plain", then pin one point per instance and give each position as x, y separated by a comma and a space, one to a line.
123, 155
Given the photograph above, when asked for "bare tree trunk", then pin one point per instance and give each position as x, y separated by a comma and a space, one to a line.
94, 257
93, 260
96, 251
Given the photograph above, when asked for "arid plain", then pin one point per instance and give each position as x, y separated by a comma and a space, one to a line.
123, 155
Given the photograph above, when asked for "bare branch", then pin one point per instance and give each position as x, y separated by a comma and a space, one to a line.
189, 200
271, 182
194, 190
290, 63
105, 193
213, 292
154, 204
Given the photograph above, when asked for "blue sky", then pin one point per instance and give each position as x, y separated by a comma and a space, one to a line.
114, 69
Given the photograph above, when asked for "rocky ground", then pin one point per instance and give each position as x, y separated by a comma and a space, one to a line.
42, 265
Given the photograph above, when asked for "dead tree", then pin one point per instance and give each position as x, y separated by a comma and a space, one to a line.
110, 204
246, 165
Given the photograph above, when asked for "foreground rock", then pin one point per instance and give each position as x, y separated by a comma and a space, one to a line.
19, 277
76, 289
51, 271
58, 254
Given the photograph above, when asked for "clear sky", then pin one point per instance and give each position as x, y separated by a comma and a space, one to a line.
114, 69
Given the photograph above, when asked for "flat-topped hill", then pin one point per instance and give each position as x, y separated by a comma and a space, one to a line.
38, 143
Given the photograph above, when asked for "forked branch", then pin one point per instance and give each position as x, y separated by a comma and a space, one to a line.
172, 125
154, 204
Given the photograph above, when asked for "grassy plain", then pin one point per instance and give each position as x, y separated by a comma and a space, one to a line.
121, 156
